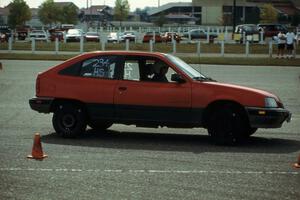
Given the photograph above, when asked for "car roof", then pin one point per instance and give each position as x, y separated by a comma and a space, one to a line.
120, 52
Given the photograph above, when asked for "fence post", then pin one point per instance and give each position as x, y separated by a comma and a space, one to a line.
10, 39
65, 39
127, 45
198, 48
174, 46
222, 48
226, 34
102, 45
261, 37
295, 49
151, 45
244, 37
33, 45
12, 35
81, 44
207, 35
270, 49
247, 48
56, 45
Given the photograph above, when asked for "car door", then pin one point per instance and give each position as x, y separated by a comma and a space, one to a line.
139, 99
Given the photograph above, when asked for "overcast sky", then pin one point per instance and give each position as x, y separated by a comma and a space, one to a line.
82, 3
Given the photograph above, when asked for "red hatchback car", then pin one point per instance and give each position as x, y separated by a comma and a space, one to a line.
167, 37
150, 35
150, 90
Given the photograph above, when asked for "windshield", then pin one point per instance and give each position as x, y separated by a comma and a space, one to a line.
190, 71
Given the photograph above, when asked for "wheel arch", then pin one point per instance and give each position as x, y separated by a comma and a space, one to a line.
59, 101
218, 104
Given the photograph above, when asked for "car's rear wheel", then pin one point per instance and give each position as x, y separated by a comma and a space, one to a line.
69, 120
99, 125
226, 124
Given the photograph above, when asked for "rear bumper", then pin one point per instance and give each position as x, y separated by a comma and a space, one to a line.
268, 117
41, 104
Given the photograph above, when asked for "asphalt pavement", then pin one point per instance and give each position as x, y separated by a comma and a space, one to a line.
143, 163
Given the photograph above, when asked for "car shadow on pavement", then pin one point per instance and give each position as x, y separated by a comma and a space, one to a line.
172, 142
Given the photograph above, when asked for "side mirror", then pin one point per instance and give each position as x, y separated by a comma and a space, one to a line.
177, 78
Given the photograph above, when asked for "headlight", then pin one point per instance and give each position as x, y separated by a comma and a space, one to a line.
270, 102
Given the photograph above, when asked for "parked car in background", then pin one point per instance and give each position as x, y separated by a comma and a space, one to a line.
251, 32
74, 35
102, 88
57, 34
92, 37
149, 36
129, 35
199, 34
38, 35
271, 30
248, 29
5, 33
114, 37
22, 32
167, 37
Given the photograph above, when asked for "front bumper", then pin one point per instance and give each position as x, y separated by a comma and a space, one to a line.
41, 104
267, 117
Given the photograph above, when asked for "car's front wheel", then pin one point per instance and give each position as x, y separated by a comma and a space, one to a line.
250, 131
69, 120
226, 124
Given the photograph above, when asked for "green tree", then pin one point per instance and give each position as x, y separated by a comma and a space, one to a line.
160, 20
19, 13
49, 13
69, 14
121, 10
268, 14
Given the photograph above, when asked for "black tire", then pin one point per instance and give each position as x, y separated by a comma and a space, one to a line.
226, 124
69, 120
249, 131
99, 125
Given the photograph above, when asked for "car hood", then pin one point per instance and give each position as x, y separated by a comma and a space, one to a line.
224, 91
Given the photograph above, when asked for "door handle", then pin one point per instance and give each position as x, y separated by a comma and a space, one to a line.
122, 88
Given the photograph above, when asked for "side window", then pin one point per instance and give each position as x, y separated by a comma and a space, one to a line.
72, 70
147, 69
131, 70
99, 67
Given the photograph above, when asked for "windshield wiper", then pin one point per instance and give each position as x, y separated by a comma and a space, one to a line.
201, 78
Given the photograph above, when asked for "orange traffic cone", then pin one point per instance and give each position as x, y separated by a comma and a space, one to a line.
297, 165
37, 151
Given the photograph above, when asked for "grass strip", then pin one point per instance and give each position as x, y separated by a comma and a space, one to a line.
191, 60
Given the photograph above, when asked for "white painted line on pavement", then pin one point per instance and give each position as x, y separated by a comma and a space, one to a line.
142, 171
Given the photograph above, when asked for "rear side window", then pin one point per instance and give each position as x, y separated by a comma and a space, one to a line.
99, 67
